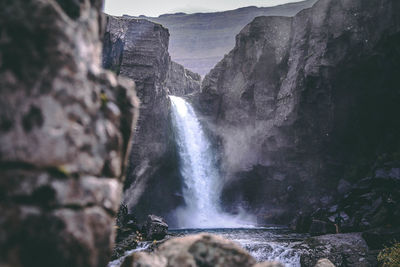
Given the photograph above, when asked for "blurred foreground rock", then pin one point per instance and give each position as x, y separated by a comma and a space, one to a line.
324, 263
65, 129
196, 250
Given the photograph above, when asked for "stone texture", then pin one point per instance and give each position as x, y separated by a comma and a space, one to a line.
48, 189
58, 237
138, 49
121, 247
378, 238
66, 129
290, 103
155, 228
371, 203
195, 250
340, 249
181, 81
324, 263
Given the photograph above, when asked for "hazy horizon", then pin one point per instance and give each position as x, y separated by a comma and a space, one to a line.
154, 8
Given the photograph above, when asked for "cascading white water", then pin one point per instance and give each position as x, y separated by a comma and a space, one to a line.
202, 184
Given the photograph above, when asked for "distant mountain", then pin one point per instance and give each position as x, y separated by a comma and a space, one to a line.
198, 41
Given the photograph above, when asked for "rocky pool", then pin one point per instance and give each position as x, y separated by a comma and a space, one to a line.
268, 243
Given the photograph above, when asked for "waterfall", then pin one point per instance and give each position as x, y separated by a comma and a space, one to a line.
202, 183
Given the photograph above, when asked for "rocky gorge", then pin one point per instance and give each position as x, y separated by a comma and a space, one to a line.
138, 49
301, 116
305, 111
199, 41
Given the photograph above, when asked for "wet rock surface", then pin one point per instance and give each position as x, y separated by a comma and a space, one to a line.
196, 250
341, 249
66, 129
131, 234
297, 104
124, 245
378, 238
370, 205
155, 228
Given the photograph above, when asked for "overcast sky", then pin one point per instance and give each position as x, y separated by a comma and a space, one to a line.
155, 8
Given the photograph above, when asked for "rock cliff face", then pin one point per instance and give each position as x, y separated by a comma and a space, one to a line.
138, 49
65, 131
299, 102
181, 81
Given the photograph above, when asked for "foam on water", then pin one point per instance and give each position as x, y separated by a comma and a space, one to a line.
264, 244
140, 247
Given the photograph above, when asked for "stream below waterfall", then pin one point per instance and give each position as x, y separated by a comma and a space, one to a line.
264, 244
202, 188
202, 211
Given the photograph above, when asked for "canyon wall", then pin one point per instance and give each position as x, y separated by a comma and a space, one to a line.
181, 81
65, 128
303, 102
198, 41
138, 49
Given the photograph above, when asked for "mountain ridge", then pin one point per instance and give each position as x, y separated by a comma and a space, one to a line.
199, 41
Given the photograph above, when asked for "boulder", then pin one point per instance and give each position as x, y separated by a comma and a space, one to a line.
372, 203
341, 249
377, 238
142, 259
269, 264
324, 263
155, 228
196, 250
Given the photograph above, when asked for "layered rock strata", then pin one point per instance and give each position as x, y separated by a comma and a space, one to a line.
181, 81
138, 49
